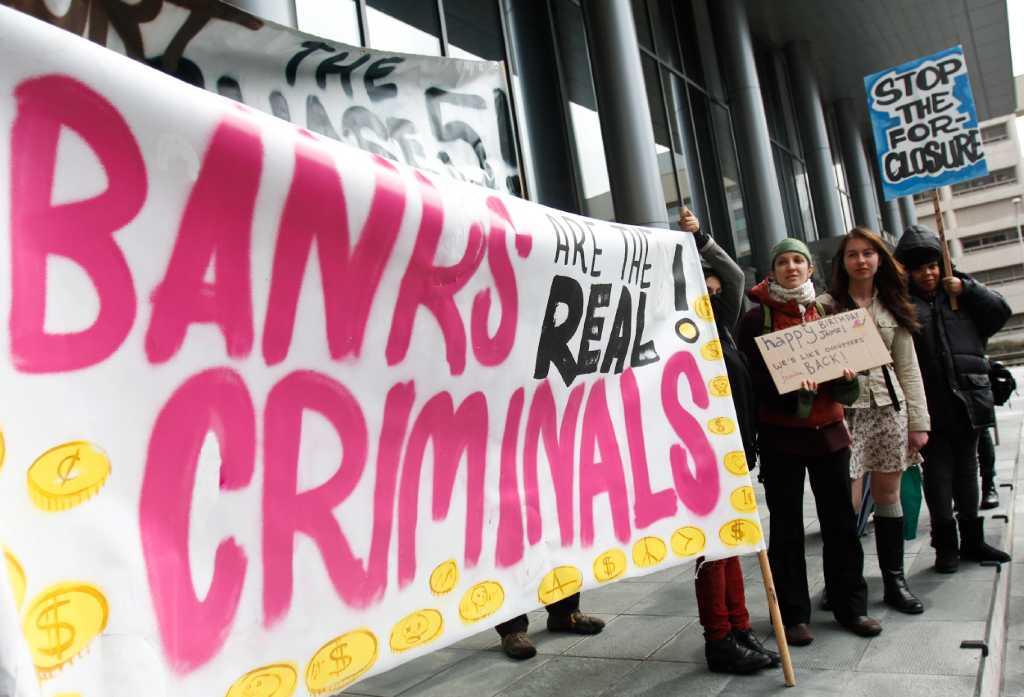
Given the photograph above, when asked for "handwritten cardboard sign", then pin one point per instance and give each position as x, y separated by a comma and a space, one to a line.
283, 414
820, 350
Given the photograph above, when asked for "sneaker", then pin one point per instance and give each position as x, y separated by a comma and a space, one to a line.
728, 656
518, 646
747, 639
575, 622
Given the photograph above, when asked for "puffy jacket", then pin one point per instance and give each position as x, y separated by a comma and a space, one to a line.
951, 345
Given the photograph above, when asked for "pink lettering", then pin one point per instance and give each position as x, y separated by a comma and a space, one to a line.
604, 475
648, 507
510, 518
216, 229
192, 630
81, 231
699, 492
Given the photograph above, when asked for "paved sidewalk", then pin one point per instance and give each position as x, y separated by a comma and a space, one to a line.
653, 643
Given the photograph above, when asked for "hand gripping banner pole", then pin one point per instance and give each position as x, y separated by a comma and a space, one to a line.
773, 609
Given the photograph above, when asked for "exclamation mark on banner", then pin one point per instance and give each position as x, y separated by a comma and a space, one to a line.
679, 277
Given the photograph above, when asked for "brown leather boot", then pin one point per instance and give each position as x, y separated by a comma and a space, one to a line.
575, 622
518, 646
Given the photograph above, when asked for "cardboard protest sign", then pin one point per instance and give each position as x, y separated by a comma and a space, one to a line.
925, 125
821, 349
443, 115
281, 414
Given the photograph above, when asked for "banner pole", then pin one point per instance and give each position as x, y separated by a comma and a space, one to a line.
947, 265
773, 610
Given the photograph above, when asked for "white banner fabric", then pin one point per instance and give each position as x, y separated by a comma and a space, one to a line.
281, 414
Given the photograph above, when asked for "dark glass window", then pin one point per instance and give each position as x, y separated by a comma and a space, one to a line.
474, 29
997, 177
406, 27
643, 24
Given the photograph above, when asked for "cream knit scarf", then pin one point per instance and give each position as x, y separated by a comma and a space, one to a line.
803, 295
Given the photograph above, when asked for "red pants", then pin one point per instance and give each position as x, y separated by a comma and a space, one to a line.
720, 599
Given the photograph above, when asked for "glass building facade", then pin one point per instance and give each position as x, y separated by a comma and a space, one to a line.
687, 60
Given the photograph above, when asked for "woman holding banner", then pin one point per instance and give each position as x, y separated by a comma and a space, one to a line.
804, 430
889, 422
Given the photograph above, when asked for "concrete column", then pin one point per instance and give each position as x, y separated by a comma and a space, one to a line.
625, 115
545, 137
862, 189
817, 154
908, 211
766, 222
892, 221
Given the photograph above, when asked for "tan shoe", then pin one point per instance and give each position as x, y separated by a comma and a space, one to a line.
799, 635
575, 622
518, 646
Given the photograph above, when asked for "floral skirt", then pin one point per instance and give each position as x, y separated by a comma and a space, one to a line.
879, 437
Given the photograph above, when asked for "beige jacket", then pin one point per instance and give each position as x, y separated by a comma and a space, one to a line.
908, 386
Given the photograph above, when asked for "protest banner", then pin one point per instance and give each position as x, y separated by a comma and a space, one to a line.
281, 414
443, 115
925, 125
822, 349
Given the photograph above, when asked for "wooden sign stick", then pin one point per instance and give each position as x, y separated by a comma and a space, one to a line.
773, 610
947, 265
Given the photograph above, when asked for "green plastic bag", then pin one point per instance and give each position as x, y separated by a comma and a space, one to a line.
910, 499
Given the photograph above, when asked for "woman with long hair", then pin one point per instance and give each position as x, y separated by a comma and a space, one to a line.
889, 422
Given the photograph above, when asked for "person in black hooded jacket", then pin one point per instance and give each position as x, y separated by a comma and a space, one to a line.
951, 353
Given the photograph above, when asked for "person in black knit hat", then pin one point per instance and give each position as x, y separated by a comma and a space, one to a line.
951, 353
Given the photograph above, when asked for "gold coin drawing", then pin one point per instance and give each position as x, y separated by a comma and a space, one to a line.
742, 499
444, 577
16, 577
609, 565
721, 425
559, 583
688, 541
736, 462
649, 551
61, 622
702, 306
65, 476
275, 680
687, 330
719, 386
712, 351
481, 600
417, 629
340, 661
3, 449
740, 532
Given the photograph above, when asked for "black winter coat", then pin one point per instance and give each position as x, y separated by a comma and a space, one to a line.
951, 352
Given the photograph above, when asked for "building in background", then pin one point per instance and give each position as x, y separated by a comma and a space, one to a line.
751, 113
982, 218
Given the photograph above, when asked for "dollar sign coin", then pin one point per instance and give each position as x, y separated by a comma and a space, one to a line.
61, 622
721, 426
67, 475
740, 532
719, 386
340, 661
3, 449
444, 577
742, 499
702, 307
688, 541
649, 551
712, 351
276, 680
415, 630
559, 583
736, 462
481, 600
16, 577
687, 330
609, 565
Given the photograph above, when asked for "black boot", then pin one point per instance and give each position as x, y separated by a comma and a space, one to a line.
748, 640
973, 545
727, 656
889, 544
944, 540
989, 495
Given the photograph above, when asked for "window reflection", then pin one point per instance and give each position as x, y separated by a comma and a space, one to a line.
404, 27
336, 21
474, 30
